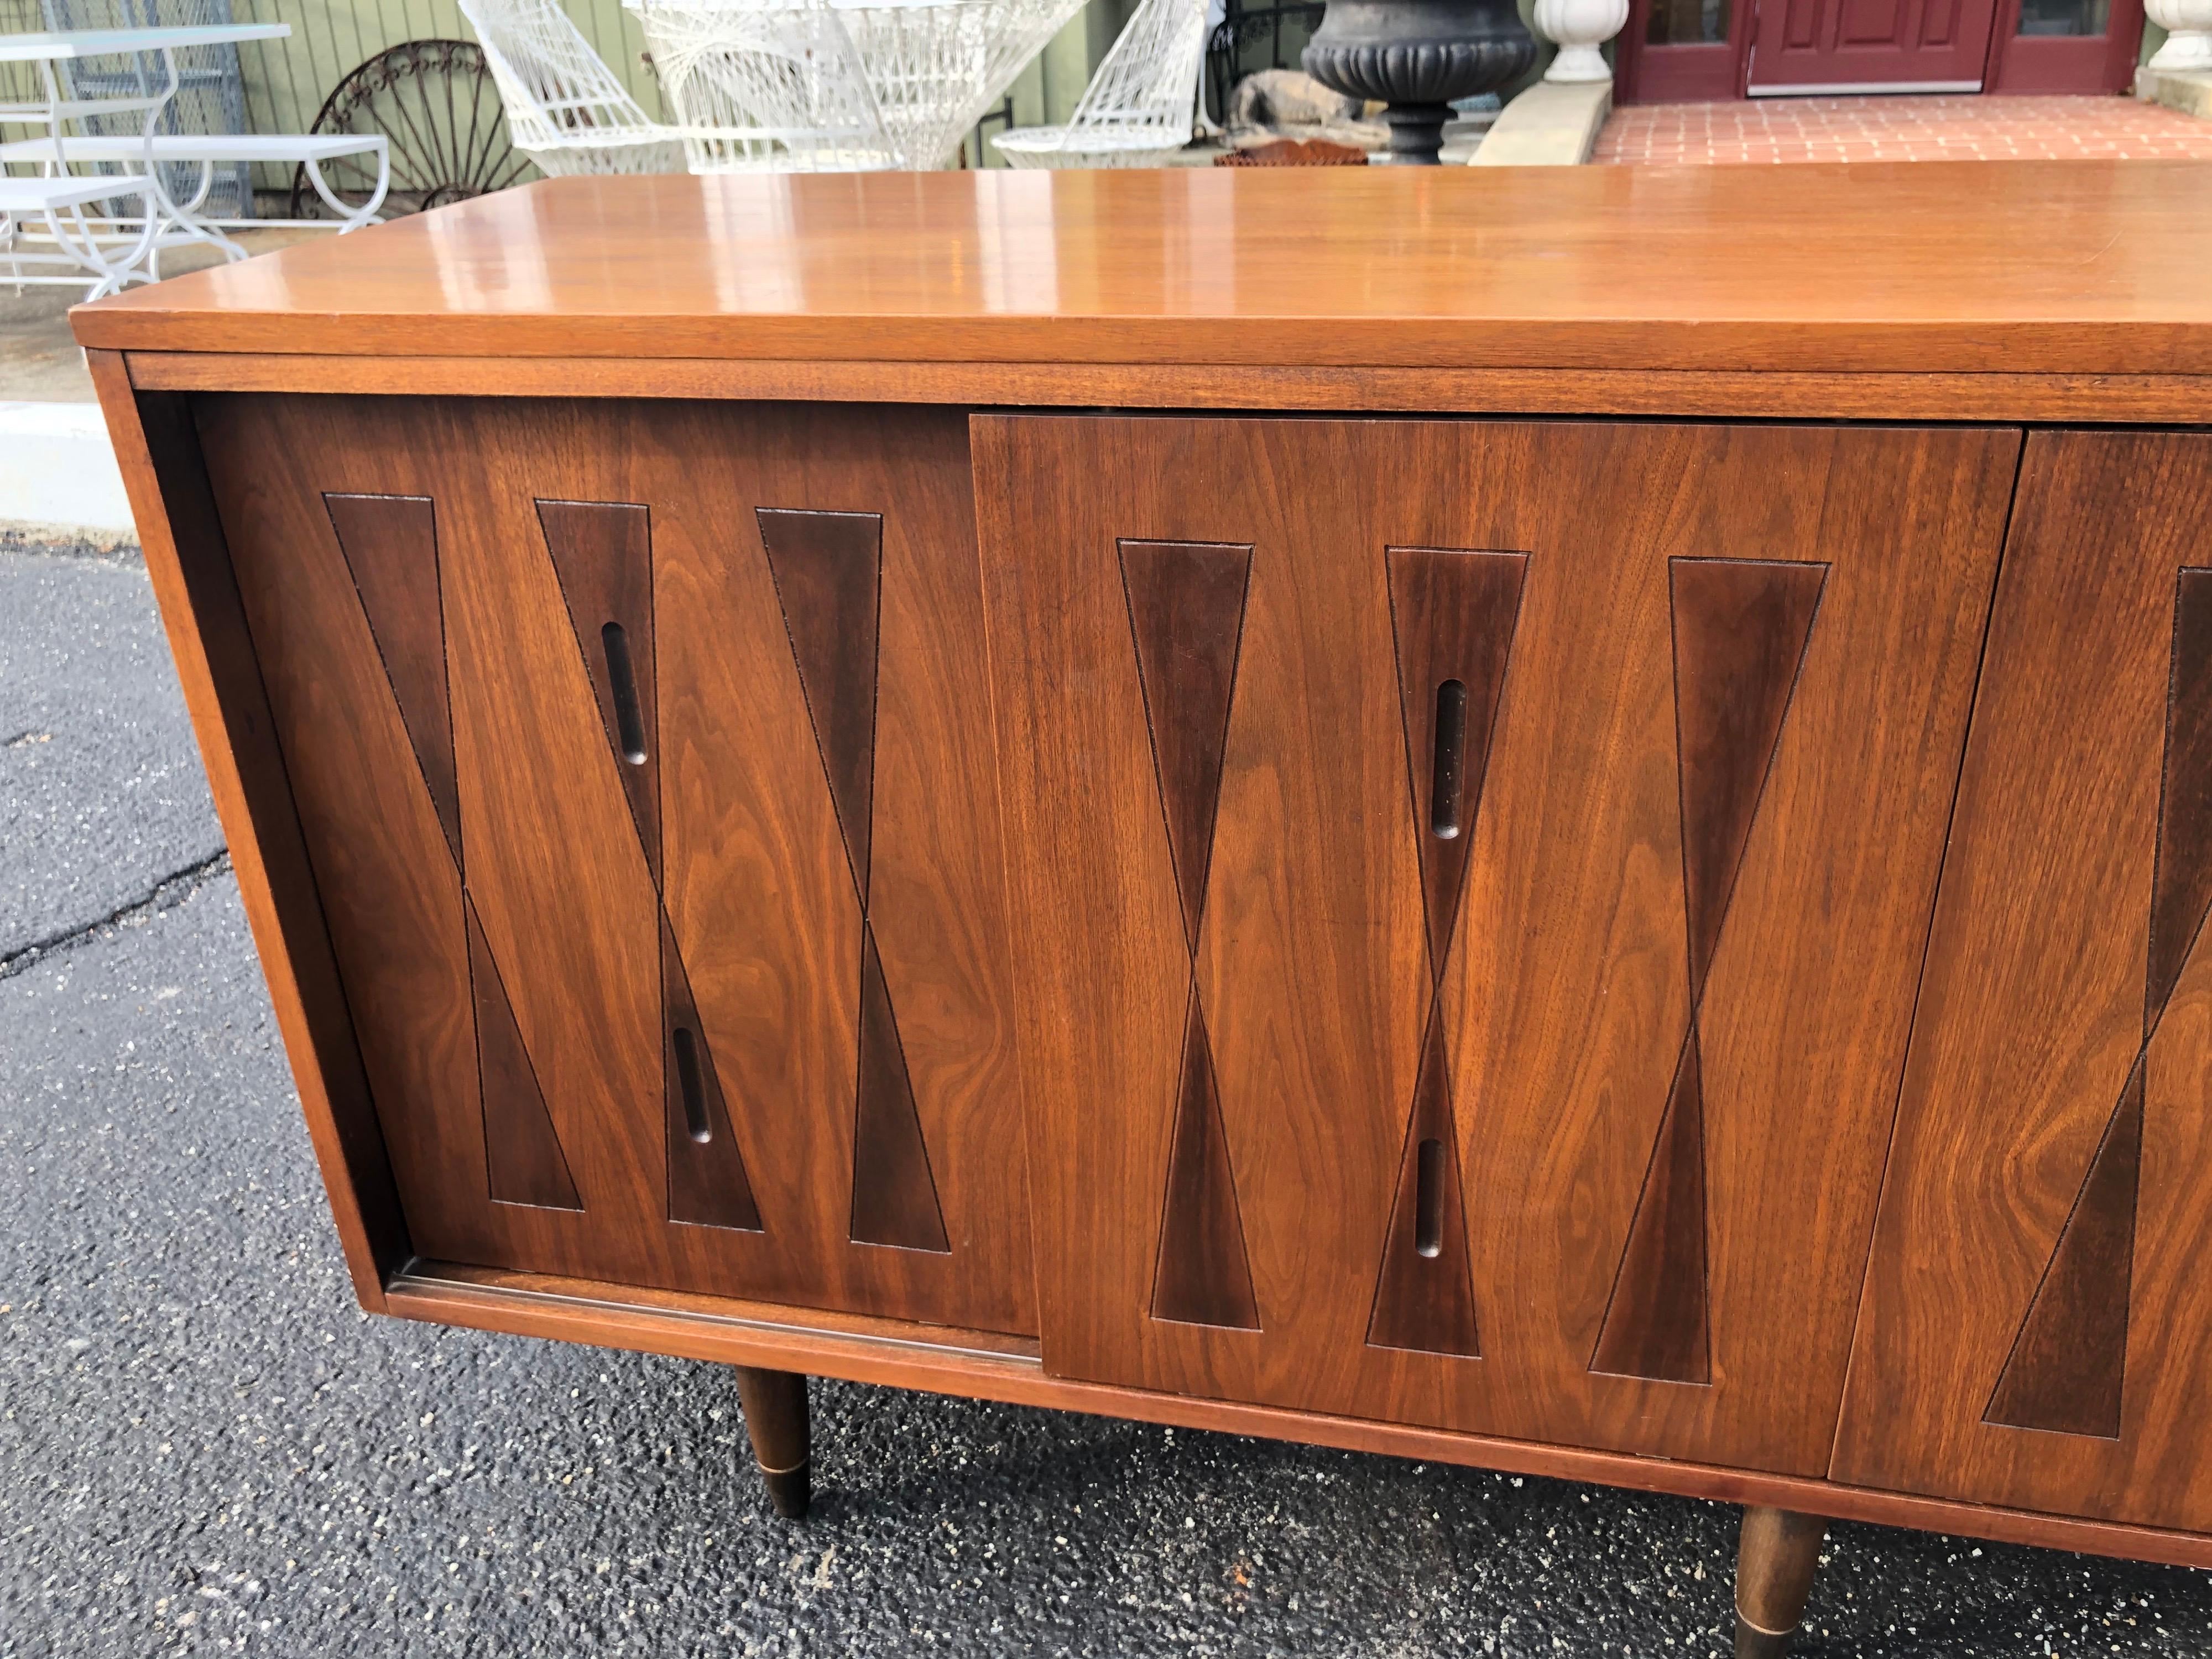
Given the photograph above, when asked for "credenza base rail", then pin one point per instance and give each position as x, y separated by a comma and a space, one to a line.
983, 1365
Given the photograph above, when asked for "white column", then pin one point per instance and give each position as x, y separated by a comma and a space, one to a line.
1579, 27
2188, 24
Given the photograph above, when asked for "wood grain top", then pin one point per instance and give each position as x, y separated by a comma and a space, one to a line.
2083, 267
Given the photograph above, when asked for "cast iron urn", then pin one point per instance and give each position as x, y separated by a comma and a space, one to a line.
1416, 56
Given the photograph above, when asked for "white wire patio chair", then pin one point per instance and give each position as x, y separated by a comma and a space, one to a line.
939, 66
773, 86
565, 109
812, 75
1140, 107
764, 85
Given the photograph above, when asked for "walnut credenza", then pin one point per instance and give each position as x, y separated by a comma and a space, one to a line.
1555, 820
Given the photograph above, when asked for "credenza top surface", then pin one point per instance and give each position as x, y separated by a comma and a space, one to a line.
2072, 267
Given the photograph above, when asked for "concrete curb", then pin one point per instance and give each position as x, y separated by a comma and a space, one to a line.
57, 469
1552, 125
71, 541
2189, 91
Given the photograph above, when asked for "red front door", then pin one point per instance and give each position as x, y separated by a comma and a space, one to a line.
1694, 51
1863, 46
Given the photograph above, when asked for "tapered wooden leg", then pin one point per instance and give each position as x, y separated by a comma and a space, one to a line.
1774, 1565
775, 1417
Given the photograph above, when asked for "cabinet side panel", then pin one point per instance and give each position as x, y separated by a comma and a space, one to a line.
180, 527
2035, 1311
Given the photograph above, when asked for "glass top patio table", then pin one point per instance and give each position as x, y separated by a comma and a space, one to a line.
116, 254
57, 44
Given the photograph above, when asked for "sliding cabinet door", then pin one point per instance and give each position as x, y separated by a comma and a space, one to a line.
1469, 880
644, 754
2039, 1319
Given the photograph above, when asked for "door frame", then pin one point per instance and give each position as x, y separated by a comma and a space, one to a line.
2064, 62
1714, 72
1721, 71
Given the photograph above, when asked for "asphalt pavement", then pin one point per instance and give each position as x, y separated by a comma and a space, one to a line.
205, 1447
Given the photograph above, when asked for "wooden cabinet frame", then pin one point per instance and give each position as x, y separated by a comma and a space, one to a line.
1804, 371
187, 559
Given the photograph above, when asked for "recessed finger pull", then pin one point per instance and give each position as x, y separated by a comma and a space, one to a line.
694, 1085
1450, 760
630, 720
1429, 1201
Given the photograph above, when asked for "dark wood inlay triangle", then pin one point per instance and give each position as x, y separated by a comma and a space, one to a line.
707, 1182
2067, 1369
894, 1194
1426, 1297
2181, 890
1204, 1277
1656, 1325
390, 544
1187, 614
603, 553
2067, 1365
1452, 615
522, 1150
1741, 630
1741, 627
828, 571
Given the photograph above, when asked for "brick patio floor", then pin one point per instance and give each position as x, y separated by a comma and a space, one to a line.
1899, 128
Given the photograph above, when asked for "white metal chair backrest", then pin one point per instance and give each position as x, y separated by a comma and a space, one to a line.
565, 109
939, 66
776, 86
1148, 81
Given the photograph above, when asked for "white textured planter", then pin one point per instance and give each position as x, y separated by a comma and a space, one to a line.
2188, 24
1579, 27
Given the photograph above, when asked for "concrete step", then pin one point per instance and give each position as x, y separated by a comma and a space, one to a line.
57, 472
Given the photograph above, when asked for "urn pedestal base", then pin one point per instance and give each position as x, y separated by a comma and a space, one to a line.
1416, 56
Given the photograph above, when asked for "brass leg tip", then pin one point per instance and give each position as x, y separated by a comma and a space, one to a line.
790, 1490
1752, 1642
